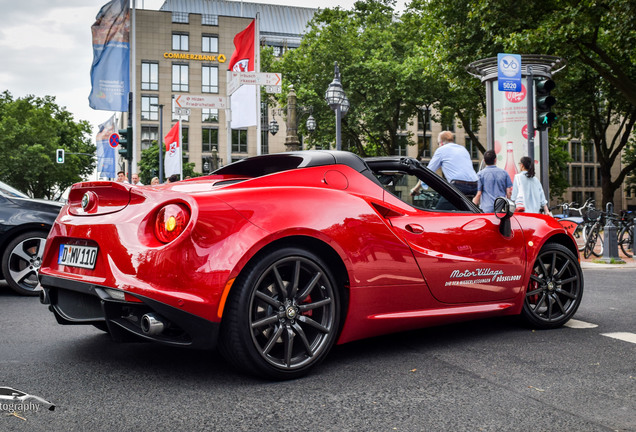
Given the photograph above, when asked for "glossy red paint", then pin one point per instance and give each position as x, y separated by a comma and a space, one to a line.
398, 267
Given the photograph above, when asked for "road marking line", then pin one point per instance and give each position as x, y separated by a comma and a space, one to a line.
576, 324
624, 336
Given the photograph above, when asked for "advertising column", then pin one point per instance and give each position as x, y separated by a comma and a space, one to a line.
510, 120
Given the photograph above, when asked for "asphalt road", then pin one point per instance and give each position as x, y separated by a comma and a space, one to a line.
490, 375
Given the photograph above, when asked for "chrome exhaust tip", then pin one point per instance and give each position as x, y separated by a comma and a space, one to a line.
153, 324
44, 297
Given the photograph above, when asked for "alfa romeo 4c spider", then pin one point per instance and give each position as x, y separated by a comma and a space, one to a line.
276, 258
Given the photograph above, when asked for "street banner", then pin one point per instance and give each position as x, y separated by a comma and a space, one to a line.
110, 72
243, 101
105, 152
172, 163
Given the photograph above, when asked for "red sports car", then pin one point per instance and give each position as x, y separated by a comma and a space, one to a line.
276, 258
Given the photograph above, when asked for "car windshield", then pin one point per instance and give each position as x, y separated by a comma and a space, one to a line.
10, 191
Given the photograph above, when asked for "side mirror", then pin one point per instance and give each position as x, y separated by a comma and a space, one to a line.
504, 209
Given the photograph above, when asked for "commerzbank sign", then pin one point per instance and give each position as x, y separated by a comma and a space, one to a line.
201, 57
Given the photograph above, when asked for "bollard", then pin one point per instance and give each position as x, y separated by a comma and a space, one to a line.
610, 239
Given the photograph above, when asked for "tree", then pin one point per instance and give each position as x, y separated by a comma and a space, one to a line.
149, 165
597, 90
31, 130
383, 83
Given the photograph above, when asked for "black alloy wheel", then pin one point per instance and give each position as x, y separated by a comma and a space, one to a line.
22, 260
283, 317
555, 289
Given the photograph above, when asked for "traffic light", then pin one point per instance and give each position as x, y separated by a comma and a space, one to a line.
125, 143
543, 103
59, 156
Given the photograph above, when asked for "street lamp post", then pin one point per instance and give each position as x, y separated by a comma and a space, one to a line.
336, 97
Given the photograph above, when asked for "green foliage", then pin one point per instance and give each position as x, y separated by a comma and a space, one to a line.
149, 165
31, 130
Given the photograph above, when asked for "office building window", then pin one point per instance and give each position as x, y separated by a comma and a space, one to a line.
150, 108
210, 43
590, 177
588, 153
184, 138
239, 141
149, 136
208, 19
576, 178
424, 146
424, 119
576, 151
180, 77
180, 17
209, 79
577, 197
590, 194
209, 115
209, 139
400, 148
472, 149
180, 41
149, 76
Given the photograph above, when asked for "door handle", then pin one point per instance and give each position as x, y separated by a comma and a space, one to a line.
414, 228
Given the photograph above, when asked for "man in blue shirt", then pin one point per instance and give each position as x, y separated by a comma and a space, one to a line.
493, 182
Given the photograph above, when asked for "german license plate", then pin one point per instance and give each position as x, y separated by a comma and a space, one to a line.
78, 256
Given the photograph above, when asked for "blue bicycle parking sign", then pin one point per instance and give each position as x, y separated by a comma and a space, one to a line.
509, 72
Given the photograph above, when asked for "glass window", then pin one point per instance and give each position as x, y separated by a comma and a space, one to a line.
150, 108
149, 76
400, 149
180, 41
576, 151
209, 139
210, 43
577, 197
209, 115
149, 136
589, 176
424, 146
239, 140
590, 194
184, 138
209, 79
472, 149
208, 19
589, 153
424, 119
180, 17
576, 176
180, 77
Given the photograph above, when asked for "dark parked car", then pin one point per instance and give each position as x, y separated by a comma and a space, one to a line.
24, 224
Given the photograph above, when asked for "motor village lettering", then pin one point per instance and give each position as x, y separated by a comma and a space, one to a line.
479, 276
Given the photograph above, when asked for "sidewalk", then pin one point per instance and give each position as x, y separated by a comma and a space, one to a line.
595, 262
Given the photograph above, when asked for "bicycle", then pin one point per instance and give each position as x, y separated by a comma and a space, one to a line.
594, 235
626, 234
578, 226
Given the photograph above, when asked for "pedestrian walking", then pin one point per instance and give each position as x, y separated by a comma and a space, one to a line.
527, 192
492, 182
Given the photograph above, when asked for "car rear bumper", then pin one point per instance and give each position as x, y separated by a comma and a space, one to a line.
76, 302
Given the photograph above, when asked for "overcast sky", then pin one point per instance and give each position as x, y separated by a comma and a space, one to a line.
45, 48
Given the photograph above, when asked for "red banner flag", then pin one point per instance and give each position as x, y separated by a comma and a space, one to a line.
172, 163
242, 59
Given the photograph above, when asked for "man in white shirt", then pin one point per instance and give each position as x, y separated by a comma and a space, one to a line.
135, 180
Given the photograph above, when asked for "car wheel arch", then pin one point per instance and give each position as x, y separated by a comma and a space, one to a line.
312, 244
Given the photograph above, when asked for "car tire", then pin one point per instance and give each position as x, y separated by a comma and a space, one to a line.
21, 261
282, 315
555, 289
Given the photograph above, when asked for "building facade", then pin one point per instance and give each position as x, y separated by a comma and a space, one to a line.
184, 49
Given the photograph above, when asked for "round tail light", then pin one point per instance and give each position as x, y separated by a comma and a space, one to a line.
171, 221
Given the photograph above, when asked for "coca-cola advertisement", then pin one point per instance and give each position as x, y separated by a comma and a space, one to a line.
510, 121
